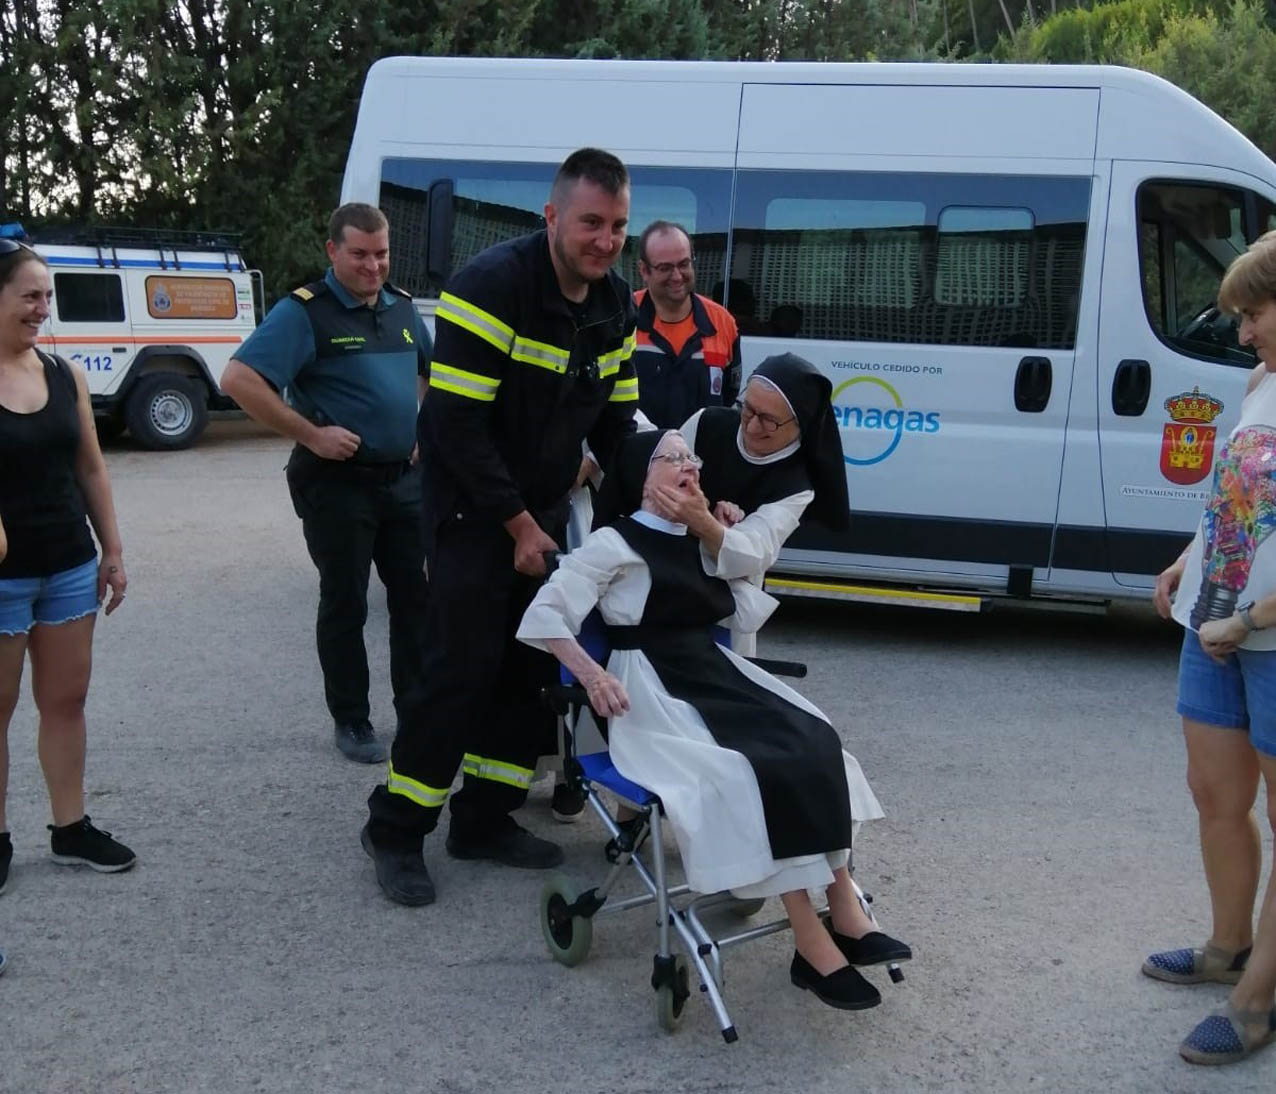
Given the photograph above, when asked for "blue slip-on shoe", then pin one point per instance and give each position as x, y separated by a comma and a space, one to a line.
1187, 966
1227, 1036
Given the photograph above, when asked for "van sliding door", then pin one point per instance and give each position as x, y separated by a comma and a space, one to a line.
935, 281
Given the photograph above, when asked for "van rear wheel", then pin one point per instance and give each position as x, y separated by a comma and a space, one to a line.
166, 411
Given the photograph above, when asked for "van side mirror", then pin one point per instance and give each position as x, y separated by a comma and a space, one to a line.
438, 246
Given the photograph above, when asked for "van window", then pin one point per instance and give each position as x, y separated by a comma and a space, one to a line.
88, 297
939, 259
1189, 233
495, 201
1266, 216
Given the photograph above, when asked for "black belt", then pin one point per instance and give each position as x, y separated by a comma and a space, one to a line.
647, 636
374, 474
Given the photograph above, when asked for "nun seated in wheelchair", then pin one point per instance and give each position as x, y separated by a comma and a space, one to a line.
752, 777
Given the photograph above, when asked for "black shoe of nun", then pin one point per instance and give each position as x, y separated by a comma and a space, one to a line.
875, 948
845, 988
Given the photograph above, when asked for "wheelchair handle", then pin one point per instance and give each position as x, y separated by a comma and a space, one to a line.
560, 697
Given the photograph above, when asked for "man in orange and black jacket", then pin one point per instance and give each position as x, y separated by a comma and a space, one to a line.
688, 352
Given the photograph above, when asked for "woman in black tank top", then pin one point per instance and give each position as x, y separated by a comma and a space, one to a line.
53, 483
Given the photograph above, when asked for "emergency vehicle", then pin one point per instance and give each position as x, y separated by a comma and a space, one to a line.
153, 318
1008, 272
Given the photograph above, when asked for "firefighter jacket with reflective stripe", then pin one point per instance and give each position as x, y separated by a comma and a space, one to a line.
704, 371
520, 379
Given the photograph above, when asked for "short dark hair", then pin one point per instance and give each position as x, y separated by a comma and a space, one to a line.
14, 260
655, 228
601, 168
358, 215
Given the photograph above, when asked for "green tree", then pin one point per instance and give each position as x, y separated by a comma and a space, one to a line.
1223, 52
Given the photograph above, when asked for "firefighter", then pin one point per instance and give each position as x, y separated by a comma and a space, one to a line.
532, 358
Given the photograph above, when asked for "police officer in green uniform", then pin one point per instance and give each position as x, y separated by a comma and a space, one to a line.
340, 367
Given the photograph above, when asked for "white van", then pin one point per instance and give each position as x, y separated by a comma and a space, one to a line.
1008, 272
153, 319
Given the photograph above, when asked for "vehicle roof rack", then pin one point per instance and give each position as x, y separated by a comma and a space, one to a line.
150, 238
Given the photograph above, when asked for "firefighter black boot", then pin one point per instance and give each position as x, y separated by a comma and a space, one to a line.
508, 843
401, 872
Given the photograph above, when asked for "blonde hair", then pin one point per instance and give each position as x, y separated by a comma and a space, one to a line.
1251, 278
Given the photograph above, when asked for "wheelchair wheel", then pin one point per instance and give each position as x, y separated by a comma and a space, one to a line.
567, 936
746, 909
670, 1001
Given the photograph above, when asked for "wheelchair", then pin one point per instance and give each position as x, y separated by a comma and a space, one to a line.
568, 907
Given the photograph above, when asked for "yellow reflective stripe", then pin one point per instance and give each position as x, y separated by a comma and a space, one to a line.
476, 321
429, 797
625, 391
544, 355
610, 363
496, 771
472, 385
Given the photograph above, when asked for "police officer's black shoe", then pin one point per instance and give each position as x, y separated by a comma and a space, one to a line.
358, 742
508, 843
401, 874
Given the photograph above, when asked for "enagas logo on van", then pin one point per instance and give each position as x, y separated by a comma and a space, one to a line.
1187, 440
873, 420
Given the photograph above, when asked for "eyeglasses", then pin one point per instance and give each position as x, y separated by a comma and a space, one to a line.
680, 459
664, 269
11, 246
768, 422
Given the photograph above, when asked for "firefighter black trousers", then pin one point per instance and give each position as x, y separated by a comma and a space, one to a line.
479, 706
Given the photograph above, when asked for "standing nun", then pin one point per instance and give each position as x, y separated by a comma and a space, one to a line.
753, 778
769, 461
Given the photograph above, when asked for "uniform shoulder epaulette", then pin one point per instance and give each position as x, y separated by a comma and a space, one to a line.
307, 293
390, 287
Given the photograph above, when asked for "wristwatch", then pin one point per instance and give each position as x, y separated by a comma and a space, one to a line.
1244, 612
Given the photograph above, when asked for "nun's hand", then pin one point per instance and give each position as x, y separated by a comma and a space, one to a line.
728, 514
682, 505
607, 695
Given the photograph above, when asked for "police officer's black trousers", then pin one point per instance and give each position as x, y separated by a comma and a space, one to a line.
353, 517
480, 707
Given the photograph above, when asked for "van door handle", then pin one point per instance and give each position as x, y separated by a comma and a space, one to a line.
119, 349
1131, 386
1032, 384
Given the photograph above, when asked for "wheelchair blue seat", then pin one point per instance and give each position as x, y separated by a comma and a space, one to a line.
597, 766
599, 769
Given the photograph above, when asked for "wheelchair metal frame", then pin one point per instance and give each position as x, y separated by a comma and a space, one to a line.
568, 911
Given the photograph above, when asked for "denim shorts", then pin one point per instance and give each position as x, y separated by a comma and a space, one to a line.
1238, 694
58, 598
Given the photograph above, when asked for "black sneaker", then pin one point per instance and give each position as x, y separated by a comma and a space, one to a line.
358, 741
6, 857
401, 874
567, 804
509, 843
80, 844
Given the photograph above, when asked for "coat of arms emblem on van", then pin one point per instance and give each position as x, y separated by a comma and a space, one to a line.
1187, 440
